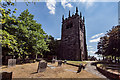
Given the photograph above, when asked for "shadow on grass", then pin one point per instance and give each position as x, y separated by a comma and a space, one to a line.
34, 73
72, 64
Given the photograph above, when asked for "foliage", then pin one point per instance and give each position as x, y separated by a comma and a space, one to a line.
21, 35
9, 43
31, 34
109, 44
53, 46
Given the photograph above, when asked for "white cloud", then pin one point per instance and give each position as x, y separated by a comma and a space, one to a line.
51, 6
69, 5
89, 46
58, 38
97, 35
65, 3
88, 3
91, 52
87, 0
95, 40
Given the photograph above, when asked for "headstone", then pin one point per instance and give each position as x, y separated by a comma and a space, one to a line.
59, 62
65, 61
11, 62
6, 75
84, 66
42, 66
79, 68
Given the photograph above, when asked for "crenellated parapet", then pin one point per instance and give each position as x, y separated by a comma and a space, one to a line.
73, 16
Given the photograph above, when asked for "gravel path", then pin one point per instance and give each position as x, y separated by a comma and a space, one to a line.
93, 70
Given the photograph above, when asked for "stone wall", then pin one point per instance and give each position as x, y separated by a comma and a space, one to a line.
108, 74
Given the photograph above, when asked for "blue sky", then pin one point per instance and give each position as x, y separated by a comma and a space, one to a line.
119, 13
99, 17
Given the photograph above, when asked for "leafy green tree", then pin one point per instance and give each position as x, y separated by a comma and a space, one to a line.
30, 35
22, 35
109, 44
103, 46
8, 41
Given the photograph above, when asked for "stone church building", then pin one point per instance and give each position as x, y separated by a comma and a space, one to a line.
73, 39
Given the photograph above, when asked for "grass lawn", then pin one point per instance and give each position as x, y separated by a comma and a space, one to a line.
29, 70
77, 62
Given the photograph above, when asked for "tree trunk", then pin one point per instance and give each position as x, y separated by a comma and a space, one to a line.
23, 57
36, 56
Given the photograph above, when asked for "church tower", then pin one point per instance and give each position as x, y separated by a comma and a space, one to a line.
73, 38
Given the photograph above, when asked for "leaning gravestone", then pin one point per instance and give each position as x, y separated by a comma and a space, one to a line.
42, 66
59, 62
11, 62
80, 68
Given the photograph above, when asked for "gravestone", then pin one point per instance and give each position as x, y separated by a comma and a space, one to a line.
59, 62
65, 61
42, 66
6, 75
11, 62
80, 68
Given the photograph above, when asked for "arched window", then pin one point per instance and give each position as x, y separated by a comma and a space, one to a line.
69, 25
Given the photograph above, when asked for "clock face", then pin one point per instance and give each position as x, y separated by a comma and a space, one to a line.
69, 25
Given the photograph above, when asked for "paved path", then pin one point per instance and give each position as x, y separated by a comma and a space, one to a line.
93, 70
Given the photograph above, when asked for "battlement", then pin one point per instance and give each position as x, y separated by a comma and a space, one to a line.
73, 16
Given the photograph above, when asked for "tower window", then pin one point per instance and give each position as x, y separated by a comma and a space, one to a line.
69, 25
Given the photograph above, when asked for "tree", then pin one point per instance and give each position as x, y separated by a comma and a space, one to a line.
31, 35
22, 35
8, 41
109, 44
53, 46
103, 46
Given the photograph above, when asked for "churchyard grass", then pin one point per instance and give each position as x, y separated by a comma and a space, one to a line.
77, 62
